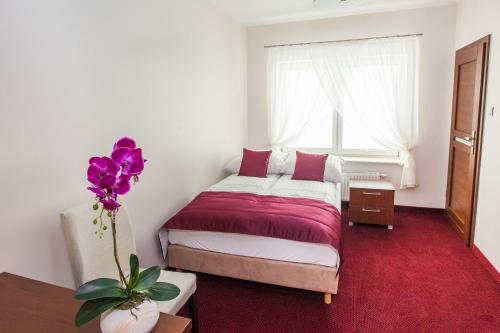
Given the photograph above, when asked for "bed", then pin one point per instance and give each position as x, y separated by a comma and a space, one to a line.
274, 260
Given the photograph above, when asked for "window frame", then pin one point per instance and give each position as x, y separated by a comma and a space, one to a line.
337, 145
339, 150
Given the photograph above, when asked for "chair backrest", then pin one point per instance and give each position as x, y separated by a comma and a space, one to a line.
92, 257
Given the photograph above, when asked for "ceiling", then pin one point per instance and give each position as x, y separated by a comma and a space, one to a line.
258, 12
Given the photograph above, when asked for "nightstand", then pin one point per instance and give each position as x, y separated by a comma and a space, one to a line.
371, 202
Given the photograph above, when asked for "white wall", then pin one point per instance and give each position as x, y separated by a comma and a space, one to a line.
476, 19
437, 57
75, 76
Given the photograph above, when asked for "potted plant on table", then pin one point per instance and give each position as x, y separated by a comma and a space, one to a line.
129, 301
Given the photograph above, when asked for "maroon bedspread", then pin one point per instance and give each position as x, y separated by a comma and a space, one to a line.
298, 219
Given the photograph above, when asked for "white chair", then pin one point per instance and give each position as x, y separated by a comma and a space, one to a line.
92, 257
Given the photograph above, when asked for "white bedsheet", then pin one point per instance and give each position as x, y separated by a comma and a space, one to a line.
325, 191
259, 246
235, 183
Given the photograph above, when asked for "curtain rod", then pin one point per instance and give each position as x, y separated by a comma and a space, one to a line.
342, 40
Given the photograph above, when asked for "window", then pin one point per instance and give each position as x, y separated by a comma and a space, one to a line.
372, 83
324, 129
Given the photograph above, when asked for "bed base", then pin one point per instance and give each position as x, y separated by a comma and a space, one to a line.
288, 274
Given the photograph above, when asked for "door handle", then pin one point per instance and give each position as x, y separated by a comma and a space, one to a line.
468, 141
463, 141
472, 137
372, 193
371, 210
472, 140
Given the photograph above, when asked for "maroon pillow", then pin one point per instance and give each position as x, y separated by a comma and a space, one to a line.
310, 166
254, 163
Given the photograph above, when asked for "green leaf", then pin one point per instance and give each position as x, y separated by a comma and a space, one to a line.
134, 271
161, 291
147, 278
100, 288
93, 308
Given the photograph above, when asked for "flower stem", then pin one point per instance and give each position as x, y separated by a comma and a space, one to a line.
120, 271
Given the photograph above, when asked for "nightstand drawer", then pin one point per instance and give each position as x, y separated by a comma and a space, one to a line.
371, 198
371, 215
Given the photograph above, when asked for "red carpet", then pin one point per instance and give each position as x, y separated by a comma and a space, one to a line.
418, 278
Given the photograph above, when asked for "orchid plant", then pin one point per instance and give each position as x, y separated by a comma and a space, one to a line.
109, 178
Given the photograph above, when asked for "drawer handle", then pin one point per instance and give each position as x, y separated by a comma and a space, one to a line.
372, 193
371, 210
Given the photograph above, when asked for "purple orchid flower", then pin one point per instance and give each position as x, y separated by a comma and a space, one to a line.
100, 193
110, 204
111, 176
130, 160
102, 172
124, 143
122, 185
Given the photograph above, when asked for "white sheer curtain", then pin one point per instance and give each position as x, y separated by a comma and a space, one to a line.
376, 81
300, 112
373, 81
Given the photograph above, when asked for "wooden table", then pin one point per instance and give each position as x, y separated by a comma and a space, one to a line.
32, 306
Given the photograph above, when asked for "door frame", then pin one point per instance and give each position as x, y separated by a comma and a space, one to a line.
485, 42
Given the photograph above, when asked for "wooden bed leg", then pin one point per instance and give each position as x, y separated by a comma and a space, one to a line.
178, 270
328, 298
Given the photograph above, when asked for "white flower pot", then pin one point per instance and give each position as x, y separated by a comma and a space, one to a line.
122, 321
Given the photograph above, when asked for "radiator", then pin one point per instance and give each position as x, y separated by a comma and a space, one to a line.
365, 175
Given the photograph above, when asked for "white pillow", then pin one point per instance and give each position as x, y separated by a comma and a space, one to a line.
333, 167
276, 163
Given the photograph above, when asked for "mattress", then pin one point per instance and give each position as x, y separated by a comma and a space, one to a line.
256, 246
259, 246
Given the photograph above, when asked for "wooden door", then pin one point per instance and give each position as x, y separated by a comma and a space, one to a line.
466, 135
